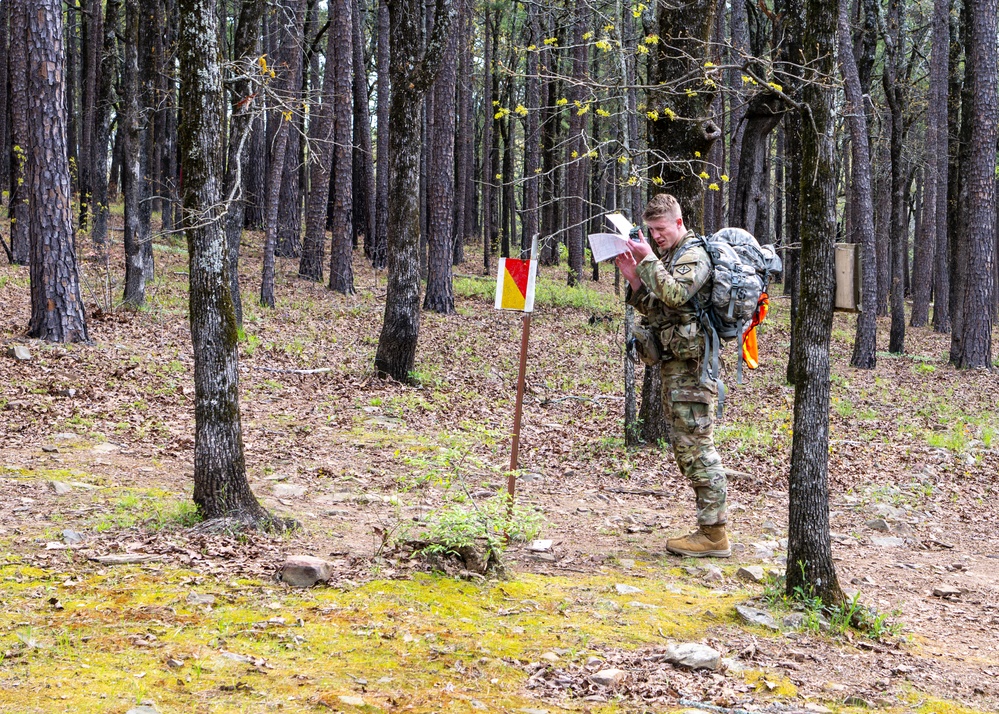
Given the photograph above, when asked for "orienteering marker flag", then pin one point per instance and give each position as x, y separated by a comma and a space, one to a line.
515, 284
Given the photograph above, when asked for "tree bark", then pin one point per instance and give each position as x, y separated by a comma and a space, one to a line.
363, 159
221, 489
20, 242
57, 312
978, 314
894, 94
488, 217
102, 122
865, 341
810, 568
378, 247
440, 200
133, 169
763, 113
340, 218
683, 126
939, 157
5, 99
575, 160
412, 72
291, 57
244, 109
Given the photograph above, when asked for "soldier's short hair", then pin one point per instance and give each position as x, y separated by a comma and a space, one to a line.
662, 205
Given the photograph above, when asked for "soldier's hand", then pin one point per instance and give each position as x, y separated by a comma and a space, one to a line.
640, 248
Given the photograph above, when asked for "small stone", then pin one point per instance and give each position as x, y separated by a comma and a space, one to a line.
200, 599
304, 571
50, 449
889, 542
528, 478
756, 617
144, 709
627, 563
887, 511
549, 557
540, 546
105, 448
732, 666
692, 570
693, 655
61, 488
946, 591
817, 708
623, 589
608, 677
351, 700
288, 490
879, 524
71, 537
550, 657
738, 548
65, 436
592, 662
770, 527
713, 574
174, 663
793, 621
751, 574
19, 352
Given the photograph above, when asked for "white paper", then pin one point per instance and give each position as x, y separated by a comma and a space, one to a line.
622, 224
605, 246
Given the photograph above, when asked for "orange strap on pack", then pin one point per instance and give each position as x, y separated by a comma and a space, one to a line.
750, 347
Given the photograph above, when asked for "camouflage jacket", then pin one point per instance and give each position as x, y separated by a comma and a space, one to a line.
665, 297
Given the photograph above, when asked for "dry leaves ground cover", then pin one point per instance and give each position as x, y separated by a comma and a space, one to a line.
96, 469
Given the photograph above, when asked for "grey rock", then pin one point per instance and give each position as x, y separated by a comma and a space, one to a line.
738, 548
19, 352
592, 662
352, 700
855, 701
550, 657
751, 574
623, 589
879, 524
693, 655
71, 537
144, 709
732, 666
713, 574
887, 511
61, 488
50, 449
288, 490
889, 542
946, 591
756, 617
540, 546
200, 599
528, 478
793, 621
304, 571
608, 677
771, 528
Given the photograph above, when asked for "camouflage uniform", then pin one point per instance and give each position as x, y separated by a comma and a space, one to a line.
665, 300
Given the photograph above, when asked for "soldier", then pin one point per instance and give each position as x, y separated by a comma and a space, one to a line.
666, 298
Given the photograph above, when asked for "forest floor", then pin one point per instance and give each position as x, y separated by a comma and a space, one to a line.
96, 461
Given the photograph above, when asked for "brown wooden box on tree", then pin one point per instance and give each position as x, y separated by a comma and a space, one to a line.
848, 277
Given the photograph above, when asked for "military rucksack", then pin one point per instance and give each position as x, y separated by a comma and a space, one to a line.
741, 271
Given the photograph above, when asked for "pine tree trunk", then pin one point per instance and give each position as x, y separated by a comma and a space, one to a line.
244, 109
20, 242
939, 156
463, 138
689, 23
865, 341
57, 312
288, 88
378, 248
762, 114
341, 210
440, 201
133, 150
978, 312
289, 231
5, 97
413, 72
364, 167
102, 121
810, 568
221, 489
575, 162
91, 36
488, 219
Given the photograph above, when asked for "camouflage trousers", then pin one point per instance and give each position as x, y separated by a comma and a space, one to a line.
690, 406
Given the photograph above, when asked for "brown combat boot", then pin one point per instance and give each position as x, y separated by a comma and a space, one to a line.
705, 542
